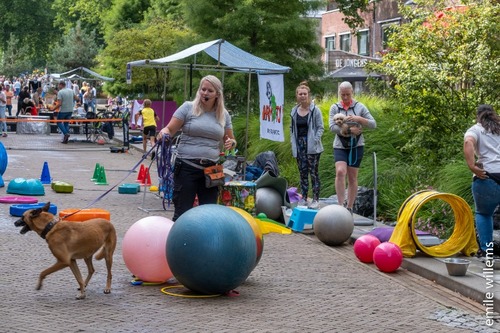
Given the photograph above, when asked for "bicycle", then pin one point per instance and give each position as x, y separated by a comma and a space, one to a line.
111, 112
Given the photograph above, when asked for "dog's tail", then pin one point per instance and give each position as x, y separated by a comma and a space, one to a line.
109, 245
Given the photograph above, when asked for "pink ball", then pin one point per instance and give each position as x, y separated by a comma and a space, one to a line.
387, 257
143, 249
364, 247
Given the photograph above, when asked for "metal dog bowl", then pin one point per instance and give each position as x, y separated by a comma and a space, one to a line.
457, 266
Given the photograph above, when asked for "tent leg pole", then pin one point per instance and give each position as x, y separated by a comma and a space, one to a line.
248, 117
190, 81
164, 97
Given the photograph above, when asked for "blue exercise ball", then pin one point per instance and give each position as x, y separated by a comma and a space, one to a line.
4, 159
211, 249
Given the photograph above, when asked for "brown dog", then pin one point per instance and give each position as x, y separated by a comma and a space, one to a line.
69, 241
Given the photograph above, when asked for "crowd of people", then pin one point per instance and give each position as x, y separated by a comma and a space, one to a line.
33, 93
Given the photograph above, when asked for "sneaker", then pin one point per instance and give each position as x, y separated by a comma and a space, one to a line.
4, 135
302, 202
66, 138
314, 205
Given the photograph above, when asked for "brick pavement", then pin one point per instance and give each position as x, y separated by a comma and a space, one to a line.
299, 285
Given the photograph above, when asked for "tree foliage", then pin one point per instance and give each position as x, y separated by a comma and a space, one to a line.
442, 64
30, 21
274, 30
124, 14
16, 58
76, 48
147, 41
89, 13
352, 10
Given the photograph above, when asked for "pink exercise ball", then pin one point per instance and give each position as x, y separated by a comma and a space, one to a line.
143, 249
387, 257
364, 247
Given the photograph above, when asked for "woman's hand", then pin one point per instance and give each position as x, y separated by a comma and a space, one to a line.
479, 171
229, 143
164, 131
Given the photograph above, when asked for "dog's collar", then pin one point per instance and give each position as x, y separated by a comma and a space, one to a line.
49, 227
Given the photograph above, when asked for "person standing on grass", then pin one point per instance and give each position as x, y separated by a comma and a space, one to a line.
306, 130
348, 150
149, 119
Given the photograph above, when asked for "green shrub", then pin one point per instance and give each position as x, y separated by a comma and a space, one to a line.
399, 175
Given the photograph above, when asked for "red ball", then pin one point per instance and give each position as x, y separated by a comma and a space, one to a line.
387, 257
364, 247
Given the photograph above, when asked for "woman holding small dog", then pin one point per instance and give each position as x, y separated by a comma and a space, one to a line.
348, 149
306, 130
206, 128
483, 140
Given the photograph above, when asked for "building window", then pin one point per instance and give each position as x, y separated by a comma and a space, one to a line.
387, 30
345, 42
363, 43
330, 43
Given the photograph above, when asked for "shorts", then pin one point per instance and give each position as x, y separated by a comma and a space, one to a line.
149, 131
352, 157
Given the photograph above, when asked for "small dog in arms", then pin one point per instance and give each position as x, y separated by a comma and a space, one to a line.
69, 241
340, 121
345, 126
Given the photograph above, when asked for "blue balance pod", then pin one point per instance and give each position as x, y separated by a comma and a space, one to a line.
19, 209
26, 187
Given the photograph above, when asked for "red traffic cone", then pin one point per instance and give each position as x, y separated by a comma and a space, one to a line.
140, 176
147, 177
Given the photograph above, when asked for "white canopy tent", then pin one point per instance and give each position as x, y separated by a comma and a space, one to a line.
229, 59
77, 73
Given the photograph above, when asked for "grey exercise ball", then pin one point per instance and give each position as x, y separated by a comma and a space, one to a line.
269, 202
333, 225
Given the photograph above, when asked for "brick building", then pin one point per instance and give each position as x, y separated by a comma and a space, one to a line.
346, 51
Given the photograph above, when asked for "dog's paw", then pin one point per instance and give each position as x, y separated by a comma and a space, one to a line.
107, 291
81, 296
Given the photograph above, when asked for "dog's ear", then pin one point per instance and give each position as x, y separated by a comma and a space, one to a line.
46, 207
35, 212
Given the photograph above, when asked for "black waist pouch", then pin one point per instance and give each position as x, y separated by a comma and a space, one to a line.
494, 176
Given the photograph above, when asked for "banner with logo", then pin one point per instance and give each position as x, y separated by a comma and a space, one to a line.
272, 100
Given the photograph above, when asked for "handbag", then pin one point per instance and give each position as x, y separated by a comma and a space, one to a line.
214, 175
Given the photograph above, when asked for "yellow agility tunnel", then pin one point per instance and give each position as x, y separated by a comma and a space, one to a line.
463, 238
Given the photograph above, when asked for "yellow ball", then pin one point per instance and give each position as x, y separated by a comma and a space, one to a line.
153, 188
